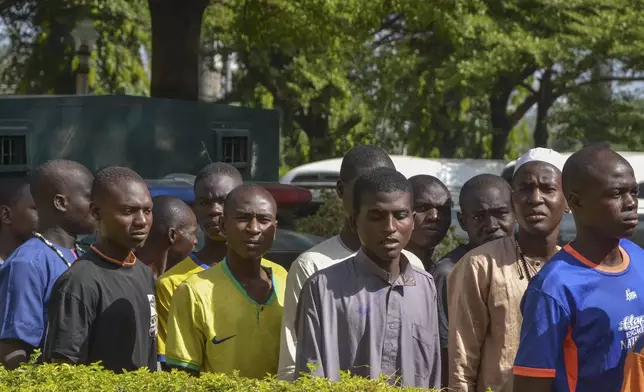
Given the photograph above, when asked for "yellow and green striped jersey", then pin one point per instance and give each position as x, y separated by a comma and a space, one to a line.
214, 326
167, 283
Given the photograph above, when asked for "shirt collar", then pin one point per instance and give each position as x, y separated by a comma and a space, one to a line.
406, 277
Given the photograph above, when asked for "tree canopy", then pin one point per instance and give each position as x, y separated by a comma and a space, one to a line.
444, 79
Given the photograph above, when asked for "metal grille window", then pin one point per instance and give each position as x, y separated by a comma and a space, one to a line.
234, 149
13, 150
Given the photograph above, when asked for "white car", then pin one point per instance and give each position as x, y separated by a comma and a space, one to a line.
323, 175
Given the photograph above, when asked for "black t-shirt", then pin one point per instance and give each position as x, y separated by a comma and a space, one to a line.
103, 311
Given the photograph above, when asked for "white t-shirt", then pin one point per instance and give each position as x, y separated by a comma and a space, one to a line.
323, 255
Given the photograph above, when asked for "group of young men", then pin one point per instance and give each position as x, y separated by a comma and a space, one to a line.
509, 310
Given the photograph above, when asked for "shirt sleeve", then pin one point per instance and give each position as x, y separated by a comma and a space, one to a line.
543, 333
164, 299
68, 328
634, 372
309, 333
467, 291
297, 276
22, 308
435, 363
185, 344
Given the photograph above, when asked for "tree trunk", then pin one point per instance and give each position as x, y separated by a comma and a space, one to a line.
314, 121
540, 135
176, 33
501, 124
316, 126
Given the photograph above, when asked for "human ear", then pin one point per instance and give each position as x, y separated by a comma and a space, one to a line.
60, 202
339, 189
172, 235
95, 211
574, 201
5, 215
353, 223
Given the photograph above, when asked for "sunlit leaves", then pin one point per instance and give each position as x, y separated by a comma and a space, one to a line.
42, 60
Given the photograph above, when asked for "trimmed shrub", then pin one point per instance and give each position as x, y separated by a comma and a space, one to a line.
55, 378
327, 220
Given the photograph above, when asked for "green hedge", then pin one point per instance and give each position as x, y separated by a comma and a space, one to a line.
53, 378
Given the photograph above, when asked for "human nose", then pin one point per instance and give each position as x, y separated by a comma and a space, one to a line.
630, 202
389, 224
432, 215
490, 223
253, 226
141, 218
535, 197
216, 209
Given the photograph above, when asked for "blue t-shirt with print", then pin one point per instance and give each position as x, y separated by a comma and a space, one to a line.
26, 280
581, 319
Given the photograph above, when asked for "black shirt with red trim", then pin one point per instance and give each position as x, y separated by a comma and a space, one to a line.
103, 310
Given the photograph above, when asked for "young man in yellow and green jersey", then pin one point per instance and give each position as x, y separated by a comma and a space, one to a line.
229, 317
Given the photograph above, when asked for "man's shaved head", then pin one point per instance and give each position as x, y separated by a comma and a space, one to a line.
169, 212
245, 192
55, 177
122, 206
601, 190
110, 176
363, 158
174, 229
359, 160
219, 169
61, 191
584, 166
249, 222
486, 208
480, 183
424, 181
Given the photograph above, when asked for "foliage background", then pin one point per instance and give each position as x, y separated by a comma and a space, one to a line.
447, 79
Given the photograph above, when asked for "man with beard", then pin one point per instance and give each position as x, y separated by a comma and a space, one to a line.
228, 318
103, 307
585, 310
432, 217
375, 313
485, 288
486, 214
18, 215
61, 190
212, 185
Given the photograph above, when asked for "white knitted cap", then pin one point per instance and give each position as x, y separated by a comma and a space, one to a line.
541, 154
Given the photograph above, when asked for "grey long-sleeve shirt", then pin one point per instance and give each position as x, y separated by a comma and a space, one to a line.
351, 316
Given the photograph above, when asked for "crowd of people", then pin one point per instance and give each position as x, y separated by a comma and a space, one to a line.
509, 309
